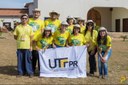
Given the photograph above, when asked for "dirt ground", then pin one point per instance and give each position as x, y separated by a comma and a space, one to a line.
118, 66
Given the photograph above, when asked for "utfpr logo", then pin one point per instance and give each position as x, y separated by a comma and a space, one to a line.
61, 63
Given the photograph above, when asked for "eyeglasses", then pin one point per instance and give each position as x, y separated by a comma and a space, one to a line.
90, 24
24, 18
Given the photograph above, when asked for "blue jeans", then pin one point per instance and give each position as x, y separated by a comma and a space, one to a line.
24, 62
103, 67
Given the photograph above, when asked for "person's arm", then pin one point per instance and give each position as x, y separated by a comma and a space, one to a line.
35, 44
106, 52
109, 44
31, 42
15, 33
31, 39
67, 43
53, 45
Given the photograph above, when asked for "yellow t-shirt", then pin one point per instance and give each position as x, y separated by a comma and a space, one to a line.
60, 38
82, 29
91, 39
70, 28
53, 24
109, 43
37, 26
78, 40
44, 42
23, 34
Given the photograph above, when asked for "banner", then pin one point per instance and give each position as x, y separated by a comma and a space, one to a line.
67, 62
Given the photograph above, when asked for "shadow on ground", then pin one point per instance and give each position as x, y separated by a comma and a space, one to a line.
8, 70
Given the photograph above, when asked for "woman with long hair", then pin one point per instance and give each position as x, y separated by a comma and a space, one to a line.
104, 51
76, 38
45, 41
61, 35
90, 37
70, 21
42, 43
81, 22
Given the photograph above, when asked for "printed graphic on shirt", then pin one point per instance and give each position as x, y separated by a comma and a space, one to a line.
34, 26
53, 27
61, 40
44, 43
69, 30
75, 42
104, 47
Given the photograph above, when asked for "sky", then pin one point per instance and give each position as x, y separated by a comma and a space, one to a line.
13, 3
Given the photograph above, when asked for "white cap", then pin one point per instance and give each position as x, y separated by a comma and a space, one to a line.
77, 25
47, 28
70, 17
90, 21
54, 12
64, 23
102, 29
36, 9
80, 19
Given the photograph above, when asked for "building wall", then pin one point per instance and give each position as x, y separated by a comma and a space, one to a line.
119, 13
9, 19
76, 8
65, 9
106, 17
80, 8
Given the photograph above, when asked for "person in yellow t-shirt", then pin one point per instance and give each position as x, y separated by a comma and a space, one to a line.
76, 39
23, 34
104, 43
46, 40
36, 23
38, 26
61, 36
91, 37
70, 21
82, 25
53, 21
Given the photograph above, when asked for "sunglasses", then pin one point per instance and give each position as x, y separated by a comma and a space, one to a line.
90, 24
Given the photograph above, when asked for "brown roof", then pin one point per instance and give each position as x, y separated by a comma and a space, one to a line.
12, 12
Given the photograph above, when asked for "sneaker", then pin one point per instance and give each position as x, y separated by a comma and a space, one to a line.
100, 77
19, 75
105, 77
91, 74
31, 75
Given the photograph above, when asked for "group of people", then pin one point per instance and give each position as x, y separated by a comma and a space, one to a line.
34, 34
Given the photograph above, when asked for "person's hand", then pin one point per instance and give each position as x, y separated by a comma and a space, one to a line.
67, 45
54, 46
30, 48
38, 49
87, 45
99, 49
103, 59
